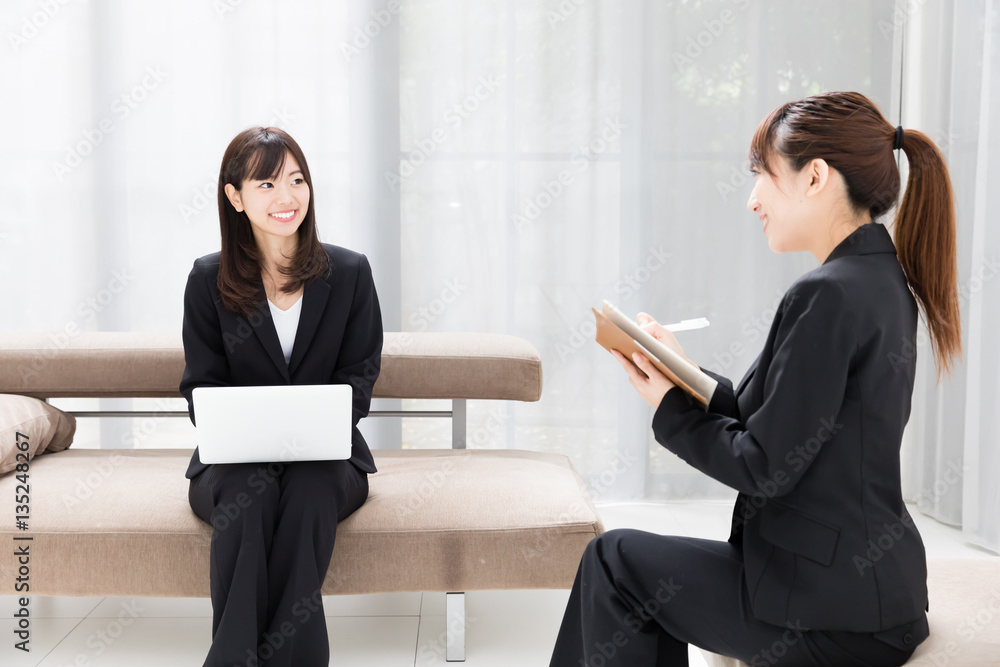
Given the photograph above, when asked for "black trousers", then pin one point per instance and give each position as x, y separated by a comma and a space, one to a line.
640, 598
274, 526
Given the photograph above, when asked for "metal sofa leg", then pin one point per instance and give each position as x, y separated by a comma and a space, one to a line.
459, 416
454, 617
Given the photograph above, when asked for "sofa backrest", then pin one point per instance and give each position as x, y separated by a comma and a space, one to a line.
150, 364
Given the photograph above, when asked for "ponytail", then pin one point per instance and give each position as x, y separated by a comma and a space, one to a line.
847, 130
927, 247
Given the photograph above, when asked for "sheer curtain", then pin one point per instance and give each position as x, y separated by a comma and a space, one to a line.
606, 160
951, 91
505, 164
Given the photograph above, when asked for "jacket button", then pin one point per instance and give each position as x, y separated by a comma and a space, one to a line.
907, 639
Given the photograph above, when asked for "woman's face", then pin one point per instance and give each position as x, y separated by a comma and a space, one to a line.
780, 201
275, 207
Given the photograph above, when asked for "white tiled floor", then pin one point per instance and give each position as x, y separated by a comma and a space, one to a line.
504, 628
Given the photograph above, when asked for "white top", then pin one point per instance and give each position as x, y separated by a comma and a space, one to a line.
285, 323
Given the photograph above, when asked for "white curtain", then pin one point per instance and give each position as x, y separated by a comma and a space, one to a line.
606, 160
505, 164
951, 91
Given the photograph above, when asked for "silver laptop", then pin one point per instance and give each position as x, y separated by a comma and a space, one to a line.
305, 422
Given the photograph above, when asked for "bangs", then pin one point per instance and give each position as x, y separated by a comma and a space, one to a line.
259, 154
267, 160
762, 145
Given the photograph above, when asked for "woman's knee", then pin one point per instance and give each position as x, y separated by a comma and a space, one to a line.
357, 491
618, 554
241, 494
247, 481
616, 541
311, 493
327, 484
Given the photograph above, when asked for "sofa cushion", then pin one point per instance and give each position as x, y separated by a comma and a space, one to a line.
43, 428
117, 522
964, 616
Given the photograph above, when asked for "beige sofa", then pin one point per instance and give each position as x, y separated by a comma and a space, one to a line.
450, 520
964, 617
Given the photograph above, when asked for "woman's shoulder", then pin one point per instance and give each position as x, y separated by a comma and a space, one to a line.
344, 260
861, 291
209, 262
341, 254
207, 267
866, 282
341, 260
816, 287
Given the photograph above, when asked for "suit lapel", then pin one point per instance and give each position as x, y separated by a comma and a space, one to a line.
314, 300
268, 337
749, 374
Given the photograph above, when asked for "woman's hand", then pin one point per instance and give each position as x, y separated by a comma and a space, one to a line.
665, 336
654, 386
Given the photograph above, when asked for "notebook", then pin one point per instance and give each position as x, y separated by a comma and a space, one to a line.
617, 331
273, 423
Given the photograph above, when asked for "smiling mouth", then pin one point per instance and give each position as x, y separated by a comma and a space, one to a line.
284, 216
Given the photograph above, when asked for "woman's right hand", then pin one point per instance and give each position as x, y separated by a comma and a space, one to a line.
662, 334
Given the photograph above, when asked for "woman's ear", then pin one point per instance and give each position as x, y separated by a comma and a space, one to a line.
234, 197
817, 176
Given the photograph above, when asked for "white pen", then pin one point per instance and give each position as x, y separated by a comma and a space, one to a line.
684, 325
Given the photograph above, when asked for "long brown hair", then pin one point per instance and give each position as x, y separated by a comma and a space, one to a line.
259, 153
849, 132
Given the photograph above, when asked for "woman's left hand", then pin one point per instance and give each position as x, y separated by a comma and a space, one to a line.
653, 387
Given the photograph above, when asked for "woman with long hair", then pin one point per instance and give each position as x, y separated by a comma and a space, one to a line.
823, 565
275, 306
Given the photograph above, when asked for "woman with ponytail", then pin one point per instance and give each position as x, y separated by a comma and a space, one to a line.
823, 565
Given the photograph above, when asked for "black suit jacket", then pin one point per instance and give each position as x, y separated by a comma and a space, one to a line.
810, 438
338, 340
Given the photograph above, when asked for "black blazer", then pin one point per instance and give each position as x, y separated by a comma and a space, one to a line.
810, 438
338, 340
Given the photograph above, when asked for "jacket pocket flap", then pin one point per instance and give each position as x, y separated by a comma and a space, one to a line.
793, 531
